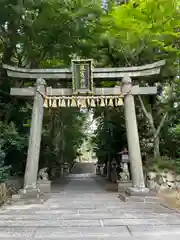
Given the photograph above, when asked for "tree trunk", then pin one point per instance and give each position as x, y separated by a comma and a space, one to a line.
156, 131
156, 148
109, 168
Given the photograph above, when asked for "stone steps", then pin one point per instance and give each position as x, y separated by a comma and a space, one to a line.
148, 199
88, 222
93, 216
102, 238
90, 233
82, 212
83, 168
64, 207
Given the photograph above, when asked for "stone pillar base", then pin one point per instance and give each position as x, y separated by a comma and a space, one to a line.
29, 193
138, 195
44, 186
28, 196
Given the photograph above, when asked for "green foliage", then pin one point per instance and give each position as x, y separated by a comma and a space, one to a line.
4, 173
12, 148
175, 135
62, 137
143, 31
171, 132
42, 34
161, 164
177, 164
110, 136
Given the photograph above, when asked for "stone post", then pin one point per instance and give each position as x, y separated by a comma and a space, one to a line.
133, 138
62, 170
32, 162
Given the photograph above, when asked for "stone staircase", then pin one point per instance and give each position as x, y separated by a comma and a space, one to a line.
81, 168
83, 211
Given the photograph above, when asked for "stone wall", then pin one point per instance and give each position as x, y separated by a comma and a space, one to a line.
3, 193
10, 187
13, 184
163, 180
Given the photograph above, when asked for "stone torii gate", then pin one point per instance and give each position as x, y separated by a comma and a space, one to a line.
83, 94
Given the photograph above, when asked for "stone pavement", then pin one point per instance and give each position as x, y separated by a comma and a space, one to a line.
84, 211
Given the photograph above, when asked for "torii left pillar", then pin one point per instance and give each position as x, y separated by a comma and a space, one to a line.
30, 189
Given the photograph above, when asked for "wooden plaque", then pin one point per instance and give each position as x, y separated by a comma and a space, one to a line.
82, 79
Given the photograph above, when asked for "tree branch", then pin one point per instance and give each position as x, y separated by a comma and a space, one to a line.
4, 31
2, 40
147, 115
143, 107
160, 125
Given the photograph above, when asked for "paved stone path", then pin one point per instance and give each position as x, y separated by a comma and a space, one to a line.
84, 211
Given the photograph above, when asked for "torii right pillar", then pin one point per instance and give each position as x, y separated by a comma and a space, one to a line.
138, 191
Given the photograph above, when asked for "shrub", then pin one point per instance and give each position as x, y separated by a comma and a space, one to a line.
163, 163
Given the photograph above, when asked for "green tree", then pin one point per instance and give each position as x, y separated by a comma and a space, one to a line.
43, 34
141, 32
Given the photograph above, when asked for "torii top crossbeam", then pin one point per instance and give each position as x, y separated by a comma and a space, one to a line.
82, 74
98, 73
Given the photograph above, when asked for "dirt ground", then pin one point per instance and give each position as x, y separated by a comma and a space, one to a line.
169, 197
111, 187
